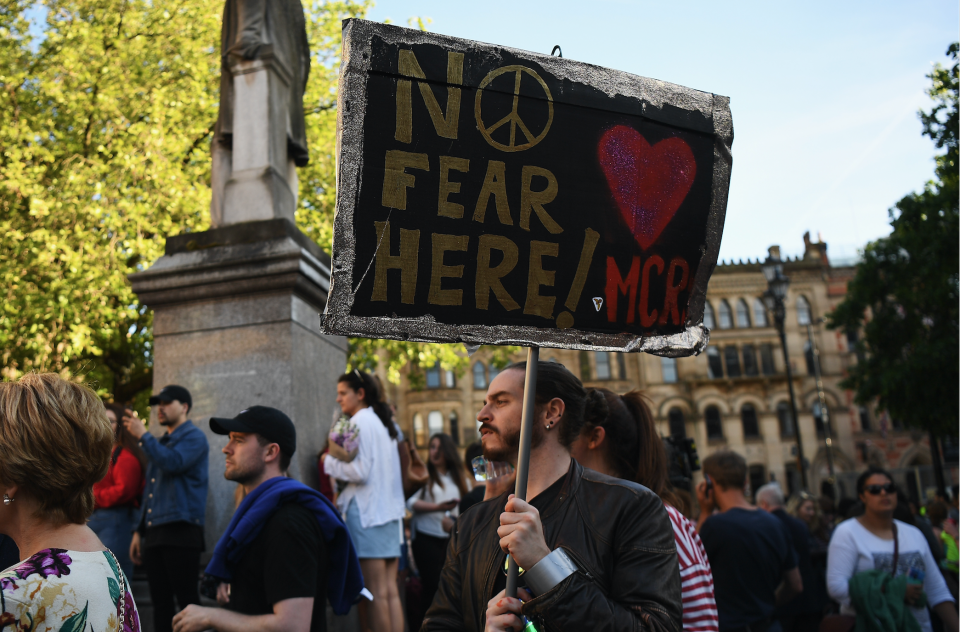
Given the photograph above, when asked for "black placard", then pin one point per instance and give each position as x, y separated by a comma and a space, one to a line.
491, 195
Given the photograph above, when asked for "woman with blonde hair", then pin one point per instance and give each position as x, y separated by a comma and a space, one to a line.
55, 443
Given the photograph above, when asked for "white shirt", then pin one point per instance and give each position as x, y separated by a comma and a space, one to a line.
854, 549
431, 522
373, 476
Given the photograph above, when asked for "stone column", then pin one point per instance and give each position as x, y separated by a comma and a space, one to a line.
236, 321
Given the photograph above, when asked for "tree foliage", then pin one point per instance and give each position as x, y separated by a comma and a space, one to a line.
107, 109
904, 296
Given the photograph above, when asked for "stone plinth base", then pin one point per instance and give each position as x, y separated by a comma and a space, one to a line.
236, 316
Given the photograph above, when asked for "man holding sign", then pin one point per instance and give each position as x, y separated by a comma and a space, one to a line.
598, 551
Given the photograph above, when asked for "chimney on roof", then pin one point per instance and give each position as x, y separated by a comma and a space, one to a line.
774, 252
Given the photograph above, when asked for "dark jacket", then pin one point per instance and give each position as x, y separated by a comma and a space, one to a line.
814, 595
176, 489
618, 533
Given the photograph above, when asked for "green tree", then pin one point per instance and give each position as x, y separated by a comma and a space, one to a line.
107, 110
904, 295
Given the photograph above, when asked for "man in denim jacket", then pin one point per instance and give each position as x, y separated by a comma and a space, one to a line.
169, 536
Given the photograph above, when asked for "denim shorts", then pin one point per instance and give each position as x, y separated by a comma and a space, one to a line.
379, 542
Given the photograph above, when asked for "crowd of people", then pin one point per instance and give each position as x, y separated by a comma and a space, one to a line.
603, 540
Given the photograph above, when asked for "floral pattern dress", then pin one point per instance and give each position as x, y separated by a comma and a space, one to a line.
65, 591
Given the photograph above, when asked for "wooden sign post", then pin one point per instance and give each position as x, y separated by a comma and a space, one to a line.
487, 195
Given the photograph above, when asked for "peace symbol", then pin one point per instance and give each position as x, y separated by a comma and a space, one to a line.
513, 118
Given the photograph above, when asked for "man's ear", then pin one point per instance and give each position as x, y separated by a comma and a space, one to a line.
553, 411
271, 453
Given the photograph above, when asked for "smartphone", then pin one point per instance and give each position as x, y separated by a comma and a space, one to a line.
707, 478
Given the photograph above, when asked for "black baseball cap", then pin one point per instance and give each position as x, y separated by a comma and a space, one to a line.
172, 393
269, 423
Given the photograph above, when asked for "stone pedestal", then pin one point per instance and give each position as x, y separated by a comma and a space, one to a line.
236, 316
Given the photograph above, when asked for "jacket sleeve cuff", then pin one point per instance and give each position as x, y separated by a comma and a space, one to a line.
549, 572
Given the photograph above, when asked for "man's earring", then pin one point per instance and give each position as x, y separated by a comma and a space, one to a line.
7, 500
548, 426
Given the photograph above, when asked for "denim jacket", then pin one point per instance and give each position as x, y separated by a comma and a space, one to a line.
176, 489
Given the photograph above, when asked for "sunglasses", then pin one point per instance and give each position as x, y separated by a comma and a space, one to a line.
876, 489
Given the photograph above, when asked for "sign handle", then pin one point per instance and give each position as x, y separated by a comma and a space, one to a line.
523, 460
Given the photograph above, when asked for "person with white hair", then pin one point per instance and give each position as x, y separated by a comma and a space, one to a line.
804, 612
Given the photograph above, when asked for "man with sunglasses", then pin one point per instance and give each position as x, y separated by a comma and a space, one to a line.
750, 552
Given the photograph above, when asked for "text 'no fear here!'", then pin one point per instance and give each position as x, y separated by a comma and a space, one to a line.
499, 232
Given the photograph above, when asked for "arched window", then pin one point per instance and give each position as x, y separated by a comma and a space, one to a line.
669, 368
678, 426
714, 423
602, 358
433, 376
419, 431
766, 359
585, 374
732, 358
808, 356
434, 422
786, 419
759, 313
748, 415
450, 379
726, 317
714, 363
455, 427
479, 376
804, 316
743, 314
749, 360
818, 419
708, 320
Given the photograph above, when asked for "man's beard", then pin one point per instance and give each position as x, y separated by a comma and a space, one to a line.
245, 474
165, 421
511, 444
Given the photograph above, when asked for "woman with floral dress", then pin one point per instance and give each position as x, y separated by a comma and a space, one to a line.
55, 443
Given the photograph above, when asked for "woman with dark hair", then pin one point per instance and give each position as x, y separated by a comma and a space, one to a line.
877, 541
625, 444
372, 502
439, 497
118, 494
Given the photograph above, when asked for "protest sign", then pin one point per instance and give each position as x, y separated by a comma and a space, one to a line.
488, 195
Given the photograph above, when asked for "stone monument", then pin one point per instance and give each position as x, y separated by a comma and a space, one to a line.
236, 308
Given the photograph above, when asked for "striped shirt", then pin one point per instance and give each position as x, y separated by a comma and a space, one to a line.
696, 578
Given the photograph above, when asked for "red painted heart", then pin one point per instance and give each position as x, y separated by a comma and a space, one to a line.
648, 182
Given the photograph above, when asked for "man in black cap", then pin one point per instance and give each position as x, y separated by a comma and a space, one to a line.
169, 536
286, 550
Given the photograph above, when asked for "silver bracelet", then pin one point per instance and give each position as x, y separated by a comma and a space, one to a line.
549, 572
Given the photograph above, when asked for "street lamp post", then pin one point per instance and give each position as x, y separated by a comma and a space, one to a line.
774, 298
824, 411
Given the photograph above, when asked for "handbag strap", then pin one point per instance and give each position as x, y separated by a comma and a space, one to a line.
896, 550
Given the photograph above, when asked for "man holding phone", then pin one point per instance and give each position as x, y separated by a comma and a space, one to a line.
169, 537
752, 557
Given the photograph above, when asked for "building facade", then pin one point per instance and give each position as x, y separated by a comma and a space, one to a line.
734, 395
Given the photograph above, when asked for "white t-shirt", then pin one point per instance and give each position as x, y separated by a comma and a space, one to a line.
854, 549
431, 523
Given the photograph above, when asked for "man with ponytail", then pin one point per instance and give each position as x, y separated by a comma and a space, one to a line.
597, 551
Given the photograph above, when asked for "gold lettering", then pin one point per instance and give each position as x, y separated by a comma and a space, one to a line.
445, 208
406, 262
488, 279
537, 304
396, 180
590, 239
441, 244
445, 124
531, 200
495, 184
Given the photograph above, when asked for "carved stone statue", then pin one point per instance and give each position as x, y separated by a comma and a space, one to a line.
260, 136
